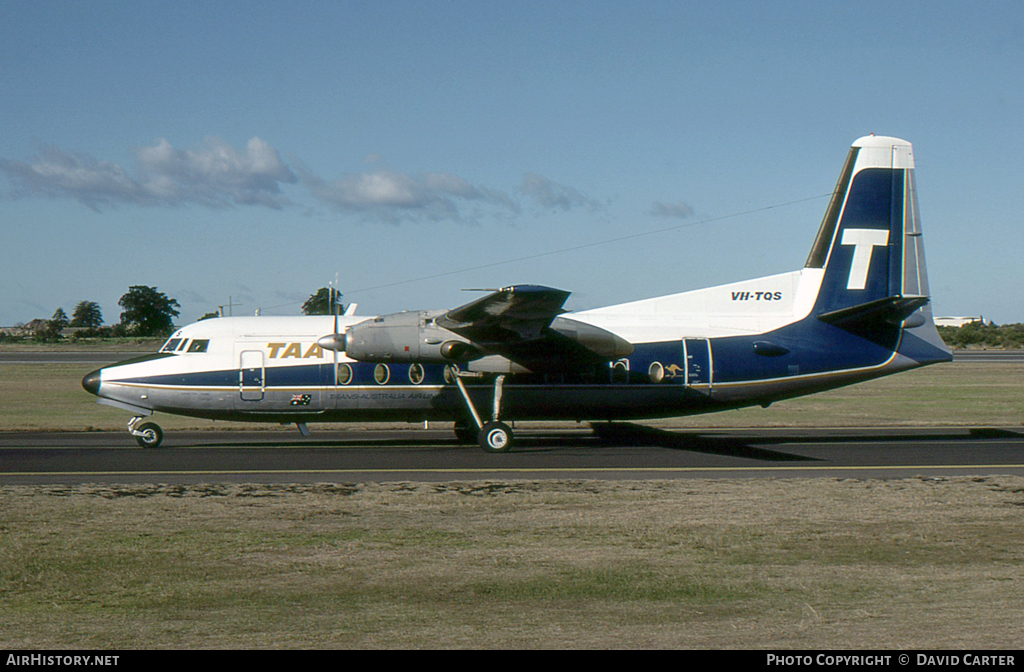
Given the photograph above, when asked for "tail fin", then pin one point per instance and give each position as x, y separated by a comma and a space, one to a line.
870, 245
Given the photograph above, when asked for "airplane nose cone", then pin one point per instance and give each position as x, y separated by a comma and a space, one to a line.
91, 382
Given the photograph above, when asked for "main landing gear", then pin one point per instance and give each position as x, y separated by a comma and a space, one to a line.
493, 436
148, 434
496, 437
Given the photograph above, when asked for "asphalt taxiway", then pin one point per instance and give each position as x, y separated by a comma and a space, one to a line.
620, 451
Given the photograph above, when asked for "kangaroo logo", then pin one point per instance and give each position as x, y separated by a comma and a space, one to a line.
864, 242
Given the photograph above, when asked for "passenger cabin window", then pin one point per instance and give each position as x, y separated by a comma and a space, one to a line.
199, 345
171, 345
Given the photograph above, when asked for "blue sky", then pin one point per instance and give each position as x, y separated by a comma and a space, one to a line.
619, 150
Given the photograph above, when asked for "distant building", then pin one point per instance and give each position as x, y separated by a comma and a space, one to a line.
36, 326
957, 321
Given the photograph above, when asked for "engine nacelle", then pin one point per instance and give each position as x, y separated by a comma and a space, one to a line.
599, 341
409, 336
414, 336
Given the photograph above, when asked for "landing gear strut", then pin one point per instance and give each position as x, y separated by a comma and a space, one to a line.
148, 434
493, 436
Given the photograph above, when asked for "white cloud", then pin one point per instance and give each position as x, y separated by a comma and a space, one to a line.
393, 196
56, 173
554, 195
678, 210
216, 175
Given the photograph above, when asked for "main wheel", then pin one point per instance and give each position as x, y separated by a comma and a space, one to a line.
149, 435
496, 437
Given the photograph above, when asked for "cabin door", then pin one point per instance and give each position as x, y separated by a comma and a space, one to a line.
251, 375
697, 352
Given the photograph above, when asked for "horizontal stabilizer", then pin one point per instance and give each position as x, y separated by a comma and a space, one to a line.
891, 310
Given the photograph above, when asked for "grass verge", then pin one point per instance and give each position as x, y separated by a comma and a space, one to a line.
808, 563
915, 563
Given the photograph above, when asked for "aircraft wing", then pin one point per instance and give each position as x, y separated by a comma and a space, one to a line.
522, 323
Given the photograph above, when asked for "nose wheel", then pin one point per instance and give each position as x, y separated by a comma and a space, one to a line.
148, 434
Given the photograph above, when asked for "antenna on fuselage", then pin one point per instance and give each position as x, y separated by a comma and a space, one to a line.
334, 299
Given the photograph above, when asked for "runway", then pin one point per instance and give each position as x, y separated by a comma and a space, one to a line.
623, 451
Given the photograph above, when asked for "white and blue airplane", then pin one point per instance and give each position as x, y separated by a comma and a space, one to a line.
857, 310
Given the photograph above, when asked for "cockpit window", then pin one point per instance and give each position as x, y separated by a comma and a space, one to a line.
199, 345
171, 345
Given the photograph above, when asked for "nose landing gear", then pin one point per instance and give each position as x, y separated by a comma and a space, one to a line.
148, 434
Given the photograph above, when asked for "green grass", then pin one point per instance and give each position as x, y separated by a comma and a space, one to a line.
803, 563
915, 563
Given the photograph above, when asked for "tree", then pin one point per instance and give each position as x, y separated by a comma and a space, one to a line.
59, 320
324, 302
55, 325
87, 315
148, 312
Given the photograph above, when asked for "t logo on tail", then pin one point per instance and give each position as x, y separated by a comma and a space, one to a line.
864, 242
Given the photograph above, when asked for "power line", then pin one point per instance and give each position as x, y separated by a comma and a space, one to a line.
596, 243
574, 248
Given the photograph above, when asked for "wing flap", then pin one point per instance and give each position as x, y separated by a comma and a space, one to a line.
517, 322
522, 311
